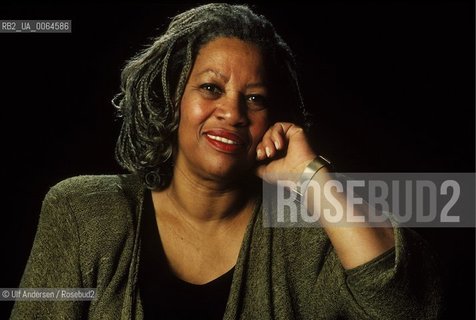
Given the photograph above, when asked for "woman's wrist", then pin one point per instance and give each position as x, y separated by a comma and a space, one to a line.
318, 164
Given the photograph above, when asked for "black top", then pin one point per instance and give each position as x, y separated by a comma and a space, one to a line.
164, 295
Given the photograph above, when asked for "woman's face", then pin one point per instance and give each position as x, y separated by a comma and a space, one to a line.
223, 111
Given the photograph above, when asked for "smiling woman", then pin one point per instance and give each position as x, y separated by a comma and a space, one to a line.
211, 109
223, 111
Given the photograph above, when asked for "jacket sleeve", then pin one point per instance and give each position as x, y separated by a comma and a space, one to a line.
53, 261
402, 283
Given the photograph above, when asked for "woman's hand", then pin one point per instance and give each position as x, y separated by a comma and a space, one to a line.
287, 150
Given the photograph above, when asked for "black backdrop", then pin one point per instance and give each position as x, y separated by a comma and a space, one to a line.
391, 85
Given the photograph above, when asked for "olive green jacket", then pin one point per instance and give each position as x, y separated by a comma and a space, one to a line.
88, 237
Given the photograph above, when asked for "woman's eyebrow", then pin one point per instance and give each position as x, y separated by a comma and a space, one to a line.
256, 85
225, 78
214, 72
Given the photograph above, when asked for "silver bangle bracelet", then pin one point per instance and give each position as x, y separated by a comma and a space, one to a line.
309, 172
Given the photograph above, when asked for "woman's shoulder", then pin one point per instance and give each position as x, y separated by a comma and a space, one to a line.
92, 195
86, 184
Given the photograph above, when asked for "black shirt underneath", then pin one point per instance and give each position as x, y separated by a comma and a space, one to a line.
163, 294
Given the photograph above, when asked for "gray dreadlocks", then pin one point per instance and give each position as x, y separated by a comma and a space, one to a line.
152, 84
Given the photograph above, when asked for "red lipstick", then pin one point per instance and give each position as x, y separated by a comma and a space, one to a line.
225, 141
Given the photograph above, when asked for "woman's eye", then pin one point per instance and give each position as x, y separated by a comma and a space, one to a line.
257, 101
211, 89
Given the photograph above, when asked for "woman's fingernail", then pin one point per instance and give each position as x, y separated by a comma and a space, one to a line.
259, 154
268, 152
276, 144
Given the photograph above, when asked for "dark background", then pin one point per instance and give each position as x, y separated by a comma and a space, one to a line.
391, 85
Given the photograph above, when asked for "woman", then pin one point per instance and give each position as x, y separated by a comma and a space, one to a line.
212, 106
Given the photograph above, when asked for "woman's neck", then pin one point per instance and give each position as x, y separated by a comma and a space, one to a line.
206, 203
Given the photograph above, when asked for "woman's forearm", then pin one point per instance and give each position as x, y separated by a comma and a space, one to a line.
355, 242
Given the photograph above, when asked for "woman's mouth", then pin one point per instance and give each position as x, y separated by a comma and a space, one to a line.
225, 141
221, 139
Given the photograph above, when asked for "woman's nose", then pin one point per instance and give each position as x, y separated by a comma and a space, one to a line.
233, 111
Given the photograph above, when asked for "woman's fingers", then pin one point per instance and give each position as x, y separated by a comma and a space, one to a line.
286, 147
277, 136
272, 142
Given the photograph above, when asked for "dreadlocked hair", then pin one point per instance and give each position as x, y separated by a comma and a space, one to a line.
153, 81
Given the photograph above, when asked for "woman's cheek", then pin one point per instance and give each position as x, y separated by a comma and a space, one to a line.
196, 109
